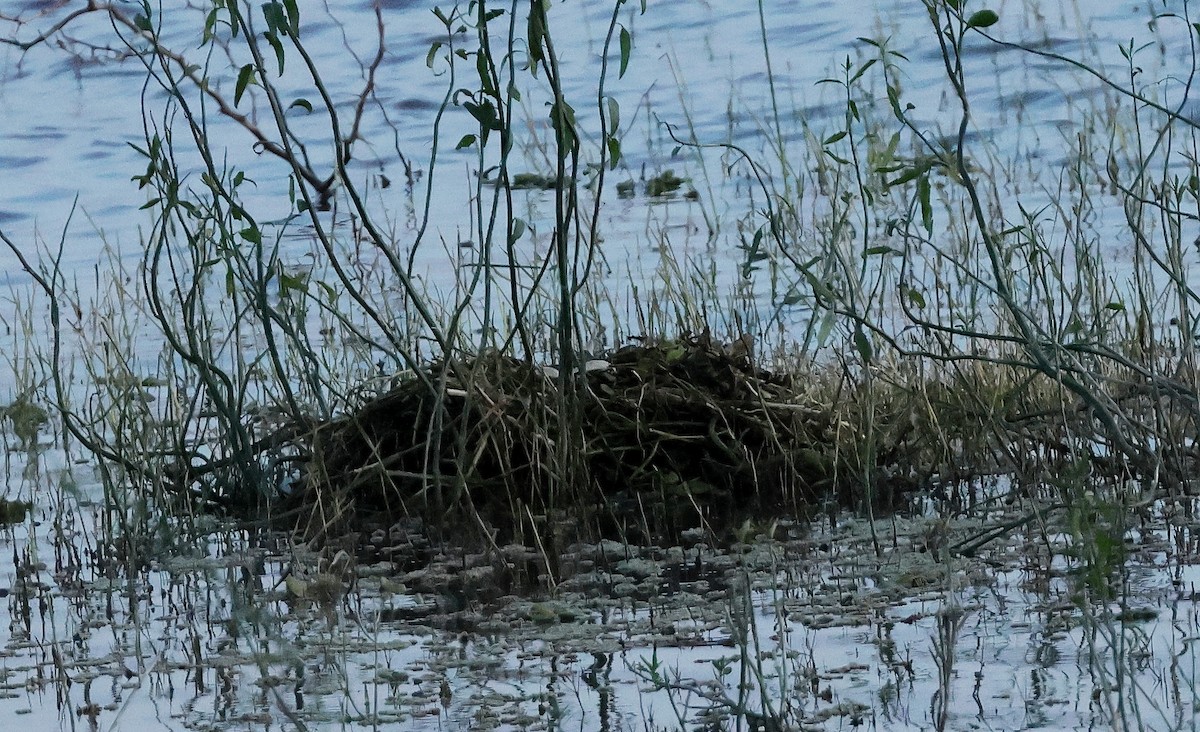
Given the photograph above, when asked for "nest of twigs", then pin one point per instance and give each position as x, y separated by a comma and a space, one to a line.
654, 439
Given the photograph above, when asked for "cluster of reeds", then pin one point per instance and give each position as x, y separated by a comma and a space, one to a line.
950, 331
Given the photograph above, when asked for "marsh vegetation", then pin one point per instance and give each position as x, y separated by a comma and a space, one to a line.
868, 400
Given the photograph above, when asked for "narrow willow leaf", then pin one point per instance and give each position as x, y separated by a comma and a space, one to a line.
535, 34
626, 46
518, 230
433, 49
243, 80
838, 160
293, 15
302, 103
466, 141
614, 152
862, 70
273, 14
210, 25
235, 18
923, 192
862, 344
894, 99
826, 328
273, 39
834, 138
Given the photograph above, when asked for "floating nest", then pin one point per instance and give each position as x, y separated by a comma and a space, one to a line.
653, 440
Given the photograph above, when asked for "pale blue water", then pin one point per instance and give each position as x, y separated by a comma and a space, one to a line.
65, 123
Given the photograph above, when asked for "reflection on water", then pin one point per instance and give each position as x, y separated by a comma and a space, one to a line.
809, 630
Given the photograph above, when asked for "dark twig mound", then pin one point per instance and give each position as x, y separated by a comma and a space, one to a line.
656, 439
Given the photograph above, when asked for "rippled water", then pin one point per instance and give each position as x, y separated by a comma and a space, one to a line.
66, 122
84, 649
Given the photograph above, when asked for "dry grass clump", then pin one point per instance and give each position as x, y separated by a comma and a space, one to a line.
665, 436
669, 435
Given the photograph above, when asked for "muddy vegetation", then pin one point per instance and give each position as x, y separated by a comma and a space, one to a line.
669, 436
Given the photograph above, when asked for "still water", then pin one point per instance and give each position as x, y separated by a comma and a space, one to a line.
815, 629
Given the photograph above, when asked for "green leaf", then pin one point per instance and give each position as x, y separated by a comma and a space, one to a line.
252, 235
210, 25
982, 19
862, 344
293, 15
466, 141
923, 191
906, 177
614, 114
562, 120
894, 99
626, 46
826, 328
302, 103
535, 33
289, 282
235, 18
614, 152
834, 138
915, 297
862, 70
244, 77
1118, 307
872, 251
273, 39
485, 113
273, 14
433, 49
836, 159
518, 230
